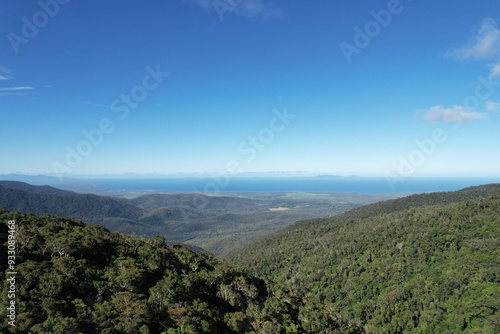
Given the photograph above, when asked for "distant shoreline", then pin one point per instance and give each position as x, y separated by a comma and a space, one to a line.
217, 186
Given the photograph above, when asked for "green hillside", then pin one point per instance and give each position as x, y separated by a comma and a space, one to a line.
409, 265
78, 278
21, 197
426, 199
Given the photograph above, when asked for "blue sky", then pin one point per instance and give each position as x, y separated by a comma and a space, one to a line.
370, 88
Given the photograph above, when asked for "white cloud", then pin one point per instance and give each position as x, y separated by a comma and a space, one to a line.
495, 71
492, 106
246, 8
455, 113
485, 44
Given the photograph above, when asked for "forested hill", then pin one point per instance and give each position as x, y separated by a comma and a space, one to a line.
23, 197
78, 278
394, 267
36, 189
426, 199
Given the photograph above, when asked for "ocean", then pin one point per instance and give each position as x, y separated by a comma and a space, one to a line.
216, 185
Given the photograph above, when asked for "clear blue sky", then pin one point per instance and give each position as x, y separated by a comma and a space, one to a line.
252, 85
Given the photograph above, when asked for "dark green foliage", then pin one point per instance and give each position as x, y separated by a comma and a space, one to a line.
421, 264
22, 197
419, 200
392, 267
78, 278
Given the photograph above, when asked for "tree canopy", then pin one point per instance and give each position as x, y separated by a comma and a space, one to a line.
421, 264
423, 269
78, 278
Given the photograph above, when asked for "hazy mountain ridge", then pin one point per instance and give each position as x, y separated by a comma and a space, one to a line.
36, 189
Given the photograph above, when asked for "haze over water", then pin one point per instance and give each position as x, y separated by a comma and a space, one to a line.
213, 186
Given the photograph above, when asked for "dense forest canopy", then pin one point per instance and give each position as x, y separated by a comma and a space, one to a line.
78, 278
426, 263
394, 267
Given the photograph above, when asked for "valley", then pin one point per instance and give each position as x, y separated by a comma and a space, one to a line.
217, 224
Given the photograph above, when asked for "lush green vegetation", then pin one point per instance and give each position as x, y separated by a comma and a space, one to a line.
403, 266
422, 264
78, 278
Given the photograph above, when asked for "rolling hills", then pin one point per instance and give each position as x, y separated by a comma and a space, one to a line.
216, 224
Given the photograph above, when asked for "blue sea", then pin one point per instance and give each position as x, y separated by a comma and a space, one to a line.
216, 185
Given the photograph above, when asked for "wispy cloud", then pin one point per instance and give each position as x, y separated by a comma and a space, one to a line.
203, 3
485, 43
20, 90
246, 8
492, 106
452, 114
87, 103
253, 8
5, 73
